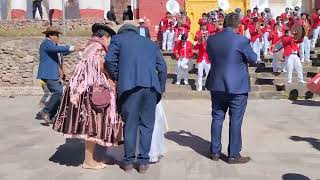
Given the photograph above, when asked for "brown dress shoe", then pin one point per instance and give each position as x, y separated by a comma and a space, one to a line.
240, 160
143, 168
215, 157
126, 167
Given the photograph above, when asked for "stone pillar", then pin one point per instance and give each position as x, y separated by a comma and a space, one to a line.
55, 7
93, 9
18, 9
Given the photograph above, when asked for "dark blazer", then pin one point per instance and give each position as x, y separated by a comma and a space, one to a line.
147, 32
49, 59
135, 61
229, 54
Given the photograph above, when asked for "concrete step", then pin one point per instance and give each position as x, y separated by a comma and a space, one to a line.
189, 95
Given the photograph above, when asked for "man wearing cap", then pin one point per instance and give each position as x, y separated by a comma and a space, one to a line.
51, 69
141, 72
143, 29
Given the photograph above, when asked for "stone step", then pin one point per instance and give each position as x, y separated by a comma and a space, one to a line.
192, 87
189, 95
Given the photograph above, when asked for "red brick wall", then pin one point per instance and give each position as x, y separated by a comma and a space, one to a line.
119, 7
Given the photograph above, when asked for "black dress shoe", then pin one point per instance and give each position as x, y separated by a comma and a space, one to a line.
143, 168
215, 157
126, 167
239, 160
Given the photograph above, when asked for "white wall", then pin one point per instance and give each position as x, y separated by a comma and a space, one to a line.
19, 4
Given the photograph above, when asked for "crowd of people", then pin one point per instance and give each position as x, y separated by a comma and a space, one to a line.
115, 90
268, 36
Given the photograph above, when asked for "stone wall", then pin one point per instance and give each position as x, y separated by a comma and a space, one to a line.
19, 59
35, 28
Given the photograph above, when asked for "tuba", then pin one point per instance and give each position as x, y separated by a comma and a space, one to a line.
173, 7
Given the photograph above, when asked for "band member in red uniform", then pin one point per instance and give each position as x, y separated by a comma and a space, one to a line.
183, 53
203, 60
316, 27
278, 63
256, 36
204, 19
255, 13
266, 30
305, 45
240, 29
291, 49
285, 16
246, 21
168, 24
183, 26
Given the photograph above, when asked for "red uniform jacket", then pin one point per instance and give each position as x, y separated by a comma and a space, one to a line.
167, 23
202, 48
246, 21
266, 29
284, 16
199, 35
213, 29
181, 51
185, 28
240, 30
290, 46
316, 20
254, 32
275, 36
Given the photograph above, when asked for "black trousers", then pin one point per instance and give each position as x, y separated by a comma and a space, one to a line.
35, 6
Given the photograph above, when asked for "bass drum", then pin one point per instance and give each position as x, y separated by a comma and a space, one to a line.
298, 32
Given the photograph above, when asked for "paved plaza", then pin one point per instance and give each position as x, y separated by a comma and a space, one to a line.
282, 138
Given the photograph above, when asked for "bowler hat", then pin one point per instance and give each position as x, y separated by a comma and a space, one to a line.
52, 29
98, 26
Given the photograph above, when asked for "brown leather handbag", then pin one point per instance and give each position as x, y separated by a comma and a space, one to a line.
100, 98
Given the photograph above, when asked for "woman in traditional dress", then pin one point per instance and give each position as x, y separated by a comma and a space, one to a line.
78, 116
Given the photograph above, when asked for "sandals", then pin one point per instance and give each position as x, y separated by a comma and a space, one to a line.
98, 167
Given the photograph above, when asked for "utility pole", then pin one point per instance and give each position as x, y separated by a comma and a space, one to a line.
64, 16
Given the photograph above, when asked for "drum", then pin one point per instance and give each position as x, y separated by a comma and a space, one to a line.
298, 31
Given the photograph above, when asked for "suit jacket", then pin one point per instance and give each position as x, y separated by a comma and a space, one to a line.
147, 32
135, 61
49, 59
229, 54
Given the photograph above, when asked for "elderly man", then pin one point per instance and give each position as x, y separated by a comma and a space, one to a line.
229, 83
51, 69
143, 29
141, 72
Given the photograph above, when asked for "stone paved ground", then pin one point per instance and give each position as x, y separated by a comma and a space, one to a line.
283, 139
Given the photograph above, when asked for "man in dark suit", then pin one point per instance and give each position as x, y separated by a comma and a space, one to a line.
140, 70
229, 84
144, 30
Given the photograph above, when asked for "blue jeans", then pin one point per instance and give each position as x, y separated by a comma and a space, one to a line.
138, 108
236, 103
56, 89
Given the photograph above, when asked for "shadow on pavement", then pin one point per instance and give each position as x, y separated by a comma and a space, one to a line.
70, 154
306, 103
187, 139
313, 141
292, 176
